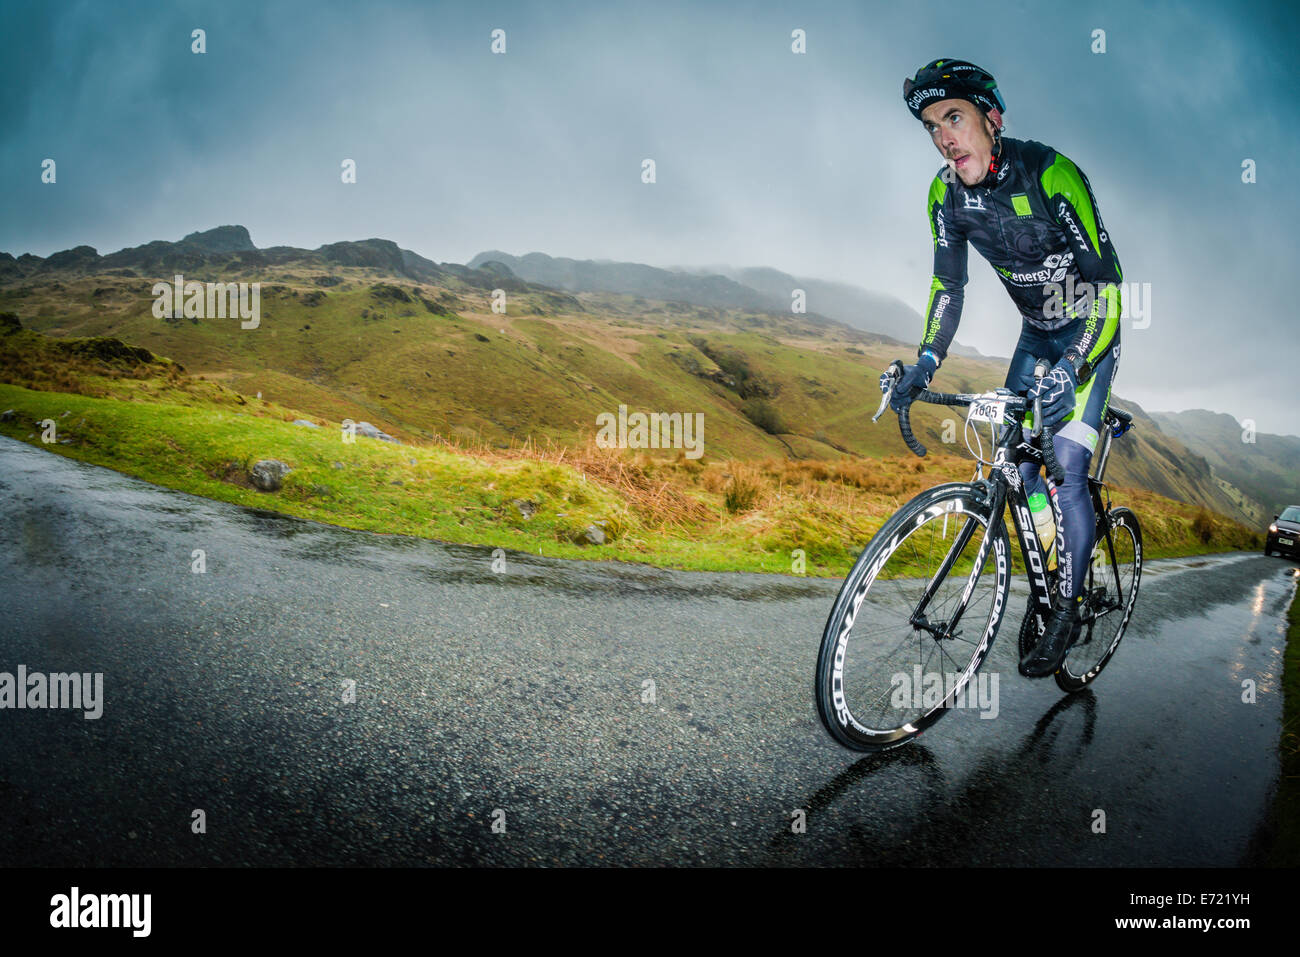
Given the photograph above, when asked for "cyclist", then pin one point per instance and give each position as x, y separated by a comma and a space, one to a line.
1031, 213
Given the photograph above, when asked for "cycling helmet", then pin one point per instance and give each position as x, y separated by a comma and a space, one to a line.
952, 80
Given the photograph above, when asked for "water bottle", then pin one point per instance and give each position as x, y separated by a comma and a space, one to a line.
1045, 526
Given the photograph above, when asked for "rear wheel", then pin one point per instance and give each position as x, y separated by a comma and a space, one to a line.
1110, 591
913, 620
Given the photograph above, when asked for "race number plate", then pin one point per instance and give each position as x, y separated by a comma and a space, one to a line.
987, 410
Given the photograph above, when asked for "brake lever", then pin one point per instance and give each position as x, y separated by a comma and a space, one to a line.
1040, 370
895, 372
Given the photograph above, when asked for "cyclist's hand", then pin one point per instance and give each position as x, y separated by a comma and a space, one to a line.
1057, 392
915, 378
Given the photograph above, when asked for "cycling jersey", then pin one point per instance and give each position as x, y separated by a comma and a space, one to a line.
1036, 221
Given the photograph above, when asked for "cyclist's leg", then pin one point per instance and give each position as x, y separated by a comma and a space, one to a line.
1075, 441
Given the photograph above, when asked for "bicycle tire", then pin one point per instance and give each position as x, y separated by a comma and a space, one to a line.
988, 537
1080, 670
1084, 662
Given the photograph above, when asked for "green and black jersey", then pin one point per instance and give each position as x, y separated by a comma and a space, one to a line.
1036, 221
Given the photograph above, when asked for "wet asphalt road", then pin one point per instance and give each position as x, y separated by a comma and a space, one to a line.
521, 692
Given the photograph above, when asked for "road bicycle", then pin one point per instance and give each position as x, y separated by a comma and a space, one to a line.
918, 603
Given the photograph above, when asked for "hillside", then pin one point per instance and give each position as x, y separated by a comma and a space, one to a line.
1266, 471
366, 330
111, 403
766, 289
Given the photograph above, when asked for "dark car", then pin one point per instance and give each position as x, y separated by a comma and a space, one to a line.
1284, 533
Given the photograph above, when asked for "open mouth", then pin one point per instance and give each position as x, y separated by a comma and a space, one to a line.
960, 160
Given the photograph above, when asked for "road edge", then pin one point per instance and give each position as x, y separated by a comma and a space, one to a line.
1281, 833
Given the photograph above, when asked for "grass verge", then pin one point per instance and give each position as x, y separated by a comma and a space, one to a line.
1285, 847
770, 515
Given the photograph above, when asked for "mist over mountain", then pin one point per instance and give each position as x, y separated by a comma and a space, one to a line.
1264, 466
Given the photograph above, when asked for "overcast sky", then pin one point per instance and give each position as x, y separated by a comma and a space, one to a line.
807, 163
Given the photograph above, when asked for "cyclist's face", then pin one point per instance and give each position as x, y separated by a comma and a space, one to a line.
963, 134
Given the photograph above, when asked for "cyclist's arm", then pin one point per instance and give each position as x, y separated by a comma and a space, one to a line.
1073, 206
943, 312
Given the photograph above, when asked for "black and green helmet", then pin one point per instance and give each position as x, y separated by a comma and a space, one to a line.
951, 80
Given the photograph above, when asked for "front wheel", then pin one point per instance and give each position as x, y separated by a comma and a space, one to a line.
914, 619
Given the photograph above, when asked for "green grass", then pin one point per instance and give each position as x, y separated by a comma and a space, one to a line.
671, 512
351, 350
456, 389
445, 495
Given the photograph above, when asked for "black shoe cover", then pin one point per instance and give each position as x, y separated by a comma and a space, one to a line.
1050, 651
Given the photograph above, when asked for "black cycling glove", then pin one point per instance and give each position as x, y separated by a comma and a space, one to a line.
915, 378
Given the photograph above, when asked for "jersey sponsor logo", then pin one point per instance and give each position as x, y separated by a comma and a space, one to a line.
974, 201
941, 233
940, 305
1064, 212
1002, 173
1055, 268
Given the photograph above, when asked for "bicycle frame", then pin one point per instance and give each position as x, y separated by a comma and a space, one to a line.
1004, 487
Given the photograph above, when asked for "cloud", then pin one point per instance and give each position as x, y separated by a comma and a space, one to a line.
810, 164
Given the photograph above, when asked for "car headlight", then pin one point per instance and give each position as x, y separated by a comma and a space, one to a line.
1273, 527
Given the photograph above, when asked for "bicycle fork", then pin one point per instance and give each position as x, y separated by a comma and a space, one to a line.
918, 618
1104, 522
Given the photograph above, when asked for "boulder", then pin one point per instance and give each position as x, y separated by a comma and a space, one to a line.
268, 474
369, 431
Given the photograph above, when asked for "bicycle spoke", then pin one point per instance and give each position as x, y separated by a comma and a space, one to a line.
929, 570
1111, 577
